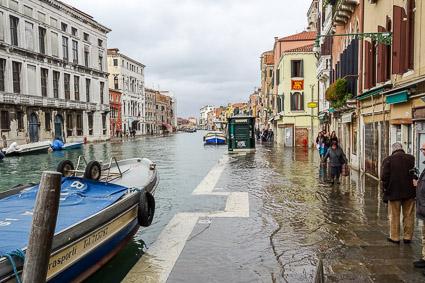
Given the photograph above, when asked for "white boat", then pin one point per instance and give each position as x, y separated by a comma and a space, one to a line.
72, 145
30, 148
100, 210
215, 138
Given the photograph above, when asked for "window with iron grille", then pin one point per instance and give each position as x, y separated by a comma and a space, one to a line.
75, 51
47, 121
14, 21
56, 84
42, 40
2, 71
79, 125
102, 86
69, 125
20, 118
88, 90
5, 123
44, 79
66, 86
77, 87
65, 47
16, 68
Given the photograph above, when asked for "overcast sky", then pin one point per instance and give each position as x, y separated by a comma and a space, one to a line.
205, 51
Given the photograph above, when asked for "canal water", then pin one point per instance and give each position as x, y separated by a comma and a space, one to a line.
182, 162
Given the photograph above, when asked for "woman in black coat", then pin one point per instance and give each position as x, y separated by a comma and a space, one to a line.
336, 160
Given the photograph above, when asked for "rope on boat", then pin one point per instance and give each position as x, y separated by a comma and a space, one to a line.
19, 253
135, 190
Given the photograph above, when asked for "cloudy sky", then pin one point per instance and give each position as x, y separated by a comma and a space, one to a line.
205, 51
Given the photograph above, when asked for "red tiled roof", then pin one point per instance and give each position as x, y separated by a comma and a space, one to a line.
238, 105
305, 48
305, 35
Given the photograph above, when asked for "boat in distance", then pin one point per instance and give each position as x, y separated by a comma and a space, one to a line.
215, 138
100, 210
30, 148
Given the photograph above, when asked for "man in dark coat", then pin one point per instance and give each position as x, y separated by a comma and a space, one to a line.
420, 210
397, 185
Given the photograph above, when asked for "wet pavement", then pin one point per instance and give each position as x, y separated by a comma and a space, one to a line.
295, 217
262, 217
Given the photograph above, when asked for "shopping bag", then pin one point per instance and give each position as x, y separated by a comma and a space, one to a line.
345, 170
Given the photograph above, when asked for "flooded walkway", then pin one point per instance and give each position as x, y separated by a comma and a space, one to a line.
293, 218
262, 217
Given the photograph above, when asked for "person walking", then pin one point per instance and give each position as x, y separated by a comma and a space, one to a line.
420, 210
336, 160
326, 141
399, 190
333, 137
271, 135
320, 145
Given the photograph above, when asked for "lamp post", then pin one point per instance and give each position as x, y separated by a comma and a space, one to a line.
311, 117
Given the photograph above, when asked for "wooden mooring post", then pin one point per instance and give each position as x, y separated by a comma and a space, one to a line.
42, 228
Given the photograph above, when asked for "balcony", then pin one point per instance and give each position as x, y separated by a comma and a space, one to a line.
323, 68
30, 100
343, 11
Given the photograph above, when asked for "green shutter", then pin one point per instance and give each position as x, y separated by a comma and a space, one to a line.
302, 68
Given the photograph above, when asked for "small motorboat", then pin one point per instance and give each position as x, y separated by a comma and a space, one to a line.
1, 155
215, 138
100, 210
72, 145
30, 148
59, 145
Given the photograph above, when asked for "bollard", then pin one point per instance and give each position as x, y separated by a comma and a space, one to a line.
42, 228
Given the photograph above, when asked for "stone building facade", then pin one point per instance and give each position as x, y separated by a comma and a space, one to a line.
150, 116
128, 76
115, 114
53, 73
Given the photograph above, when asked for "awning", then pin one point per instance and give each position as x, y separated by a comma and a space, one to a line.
166, 125
371, 93
397, 97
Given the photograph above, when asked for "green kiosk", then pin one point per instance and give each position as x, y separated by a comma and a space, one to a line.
240, 133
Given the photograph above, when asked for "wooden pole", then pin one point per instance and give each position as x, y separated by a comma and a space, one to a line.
42, 228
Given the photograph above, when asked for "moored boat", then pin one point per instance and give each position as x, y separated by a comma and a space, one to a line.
215, 138
98, 216
31, 148
72, 145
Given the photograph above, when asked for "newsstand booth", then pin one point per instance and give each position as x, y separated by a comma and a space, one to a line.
240, 135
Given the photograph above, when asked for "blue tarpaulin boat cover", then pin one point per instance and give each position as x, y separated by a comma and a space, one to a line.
80, 198
57, 144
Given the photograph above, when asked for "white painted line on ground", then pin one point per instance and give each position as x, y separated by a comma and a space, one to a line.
207, 185
159, 260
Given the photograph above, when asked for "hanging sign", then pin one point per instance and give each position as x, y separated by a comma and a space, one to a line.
312, 105
297, 84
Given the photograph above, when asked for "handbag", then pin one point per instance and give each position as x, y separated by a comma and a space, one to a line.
345, 170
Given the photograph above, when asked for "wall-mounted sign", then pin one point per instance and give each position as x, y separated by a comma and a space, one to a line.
312, 105
297, 84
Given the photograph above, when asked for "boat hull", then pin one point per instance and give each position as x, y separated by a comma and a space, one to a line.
72, 145
215, 138
81, 249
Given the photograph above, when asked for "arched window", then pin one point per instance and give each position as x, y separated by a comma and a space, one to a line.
297, 101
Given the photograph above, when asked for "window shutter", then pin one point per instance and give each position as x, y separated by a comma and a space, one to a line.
292, 69
381, 58
301, 68
277, 76
292, 102
399, 41
302, 100
410, 42
279, 105
367, 73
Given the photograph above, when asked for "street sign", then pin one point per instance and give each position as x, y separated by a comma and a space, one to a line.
312, 105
